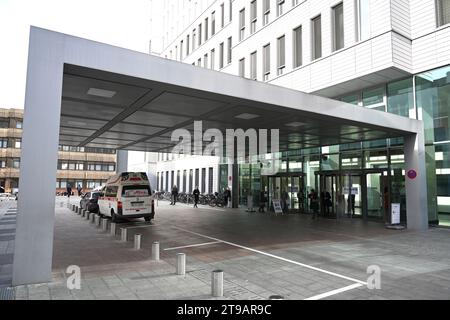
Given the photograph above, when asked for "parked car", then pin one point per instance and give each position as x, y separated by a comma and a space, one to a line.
7, 196
127, 196
89, 201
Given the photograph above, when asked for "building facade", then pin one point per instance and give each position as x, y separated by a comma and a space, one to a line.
87, 167
390, 55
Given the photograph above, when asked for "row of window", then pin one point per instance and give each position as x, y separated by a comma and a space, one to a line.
10, 163
10, 143
86, 149
11, 123
83, 166
89, 184
201, 34
162, 180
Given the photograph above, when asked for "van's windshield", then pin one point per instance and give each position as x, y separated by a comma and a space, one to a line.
135, 191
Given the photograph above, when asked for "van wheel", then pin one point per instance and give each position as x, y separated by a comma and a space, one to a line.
113, 216
147, 219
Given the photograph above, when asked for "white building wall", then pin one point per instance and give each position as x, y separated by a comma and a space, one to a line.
403, 36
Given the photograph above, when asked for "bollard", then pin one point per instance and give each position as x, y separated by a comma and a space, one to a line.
73, 207
93, 218
104, 224
98, 223
123, 234
113, 228
137, 241
78, 210
87, 216
217, 283
155, 251
181, 264
84, 213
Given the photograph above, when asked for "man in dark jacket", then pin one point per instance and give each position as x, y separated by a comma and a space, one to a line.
227, 196
196, 194
174, 195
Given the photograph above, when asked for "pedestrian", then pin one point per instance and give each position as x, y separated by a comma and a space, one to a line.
69, 190
196, 194
313, 202
301, 200
327, 202
284, 201
79, 189
174, 195
262, 201
227, 196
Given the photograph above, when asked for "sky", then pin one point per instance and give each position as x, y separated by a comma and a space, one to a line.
124, 23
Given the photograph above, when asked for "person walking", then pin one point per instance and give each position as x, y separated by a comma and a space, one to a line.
196, 194
327, 202
301, 201
79, 189
69, 190
262, 201
313, 202
227, 196
174, 195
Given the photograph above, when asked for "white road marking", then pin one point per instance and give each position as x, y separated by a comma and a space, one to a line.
277, 257
193, 245
334, 292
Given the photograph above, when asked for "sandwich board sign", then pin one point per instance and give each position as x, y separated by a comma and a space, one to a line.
277, 206
395, 213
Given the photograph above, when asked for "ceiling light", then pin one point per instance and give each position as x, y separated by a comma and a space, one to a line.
101, 93
247, 116
295, 124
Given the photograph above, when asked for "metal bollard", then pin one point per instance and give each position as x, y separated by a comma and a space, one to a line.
123, 234
155, 251
93, 218
113, 229
78, 210
104, 224
73, 207
217, 283
87, 216
137, 241
181, 264
98, 223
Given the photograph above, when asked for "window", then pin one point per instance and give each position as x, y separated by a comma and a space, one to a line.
213, 23
230, 7
222, 15
266, 11
2, 163
210, 180
281, 55
374, 98
205, 60
230, 48
253, 10
298, 54
16, 163
253, 71
196, 177
206, 29
221, 56
203, 180
266, 64
316, 38
194, 39
443, 12
178, 179
172, 179
338, 27
280, 7
4, 123
187, 45
199, 34
241, 24
242, 67
184, 181
363, 20
295, 2
213, 58
19, 124
3, 143
191, 180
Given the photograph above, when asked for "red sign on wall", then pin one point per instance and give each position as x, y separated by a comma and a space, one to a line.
412, 174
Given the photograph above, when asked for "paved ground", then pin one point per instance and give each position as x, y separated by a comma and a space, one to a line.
8, 214
261, 255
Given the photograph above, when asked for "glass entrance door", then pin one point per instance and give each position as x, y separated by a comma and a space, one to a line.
287, 188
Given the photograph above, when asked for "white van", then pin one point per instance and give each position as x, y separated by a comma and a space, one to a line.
127, 195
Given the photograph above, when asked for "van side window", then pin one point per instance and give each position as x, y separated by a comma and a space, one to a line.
111, 191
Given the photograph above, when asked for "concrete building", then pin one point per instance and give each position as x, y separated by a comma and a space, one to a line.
392, 56
87, 167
